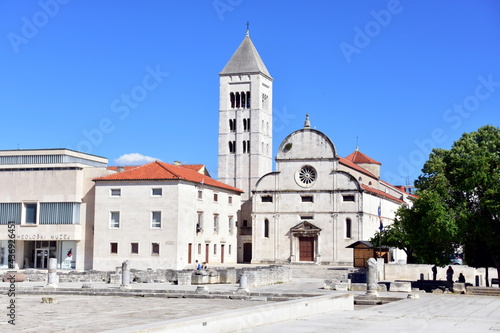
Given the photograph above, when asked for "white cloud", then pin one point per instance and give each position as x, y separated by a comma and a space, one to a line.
134, 159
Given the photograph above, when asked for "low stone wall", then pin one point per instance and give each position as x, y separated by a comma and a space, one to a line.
266, 275
258, 276
411, 272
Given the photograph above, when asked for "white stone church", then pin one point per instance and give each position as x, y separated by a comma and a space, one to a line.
316, 203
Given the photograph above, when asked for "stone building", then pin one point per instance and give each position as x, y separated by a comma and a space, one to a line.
49, 195
317, 203
245, 131
162, 215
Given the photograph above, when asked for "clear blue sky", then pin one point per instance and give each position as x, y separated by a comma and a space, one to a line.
401, 76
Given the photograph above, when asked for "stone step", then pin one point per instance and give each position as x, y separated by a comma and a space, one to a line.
483, 291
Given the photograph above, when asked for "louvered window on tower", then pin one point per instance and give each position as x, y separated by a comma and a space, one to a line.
248, 99
231, 98
237, 100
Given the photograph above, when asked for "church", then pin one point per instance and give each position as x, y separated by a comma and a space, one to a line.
317, 203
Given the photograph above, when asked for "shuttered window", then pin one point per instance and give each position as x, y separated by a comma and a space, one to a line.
59, 213
10, 211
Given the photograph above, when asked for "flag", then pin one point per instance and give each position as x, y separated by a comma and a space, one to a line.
380, 218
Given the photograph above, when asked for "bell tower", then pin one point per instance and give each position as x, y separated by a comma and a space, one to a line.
245, 119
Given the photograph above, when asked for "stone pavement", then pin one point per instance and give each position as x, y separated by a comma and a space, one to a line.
77, 313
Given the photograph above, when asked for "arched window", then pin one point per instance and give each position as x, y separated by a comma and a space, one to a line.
231, 98
237, 100
266, 228
248, 99
244, 124
243, 101
348, 226
248, 146
248, 124
244, 146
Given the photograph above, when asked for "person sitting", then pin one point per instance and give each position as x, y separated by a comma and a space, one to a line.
461, 278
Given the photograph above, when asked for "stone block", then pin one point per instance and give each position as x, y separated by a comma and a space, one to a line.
199, 279
400, 286
18, 277
184, 279
358, 286
459, 288
227, 276
115, 278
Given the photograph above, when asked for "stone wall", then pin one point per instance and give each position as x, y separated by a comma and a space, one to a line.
265, 275
411, 272
257, 276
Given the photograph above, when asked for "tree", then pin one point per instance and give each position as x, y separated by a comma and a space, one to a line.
458, 204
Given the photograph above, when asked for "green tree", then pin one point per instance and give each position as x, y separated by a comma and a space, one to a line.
458, 204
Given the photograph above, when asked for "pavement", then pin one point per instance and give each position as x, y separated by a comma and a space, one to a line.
80, 313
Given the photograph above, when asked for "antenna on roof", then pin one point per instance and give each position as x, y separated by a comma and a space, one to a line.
248, 28
357, 143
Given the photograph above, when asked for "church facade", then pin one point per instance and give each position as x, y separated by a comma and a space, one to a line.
316, 204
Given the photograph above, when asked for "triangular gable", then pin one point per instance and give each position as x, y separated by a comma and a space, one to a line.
305, 227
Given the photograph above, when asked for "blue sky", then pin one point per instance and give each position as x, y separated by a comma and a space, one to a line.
141, 77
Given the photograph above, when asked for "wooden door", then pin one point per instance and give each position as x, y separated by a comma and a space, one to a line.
247, 252
190, 252
207, 250
306, 249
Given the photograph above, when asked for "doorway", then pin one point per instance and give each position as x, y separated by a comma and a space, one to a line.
306, 249
42, 258
222, 253
247, 252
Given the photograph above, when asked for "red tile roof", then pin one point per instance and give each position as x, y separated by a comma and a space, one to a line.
164, 171
354, 166
359, 157
381, 193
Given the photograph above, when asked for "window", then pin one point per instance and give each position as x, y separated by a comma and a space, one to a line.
348, 197
232, 125
246, 146
30, 213
215, 248
229, 249
155, 248
266, 198
266, 228
115, 220
232, 99
306, 176
199, 224
134, 248
231, 224
155, 219
237, 100
156, 192
348, 226
248, 99
116, 192
216, 223
230, 200
307, 217
200, 194
216, 197
307, 198
199, 248
113, 248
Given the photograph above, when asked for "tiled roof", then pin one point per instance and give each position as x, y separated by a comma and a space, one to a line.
381, 193
126, 168
359, 157
164, 171
354, 166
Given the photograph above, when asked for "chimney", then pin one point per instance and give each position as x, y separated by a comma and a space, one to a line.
120, 169
177, 163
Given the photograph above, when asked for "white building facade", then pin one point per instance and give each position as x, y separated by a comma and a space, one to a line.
165, 216
49, 195
317, 203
